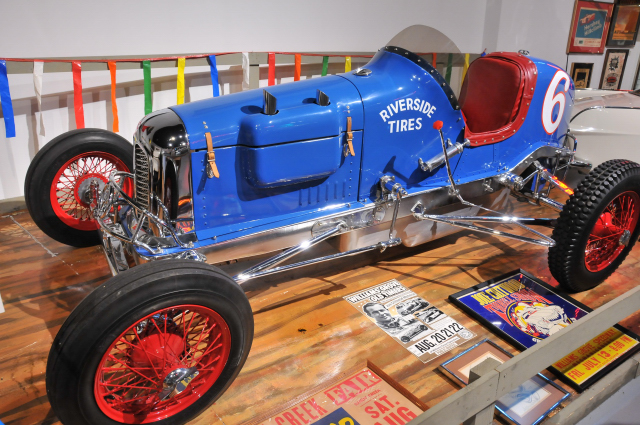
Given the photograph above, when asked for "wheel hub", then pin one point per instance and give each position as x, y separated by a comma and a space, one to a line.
625, 238
159, 351
82, 190
176, 382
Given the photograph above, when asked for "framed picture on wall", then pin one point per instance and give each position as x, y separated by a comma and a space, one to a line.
581, 74
623, 30
636, 80
589, 26
613, 69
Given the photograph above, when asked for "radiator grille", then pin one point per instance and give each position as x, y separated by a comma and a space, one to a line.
142, 177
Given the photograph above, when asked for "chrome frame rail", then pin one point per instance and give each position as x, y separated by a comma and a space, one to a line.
251, 274
464, 222
268, 266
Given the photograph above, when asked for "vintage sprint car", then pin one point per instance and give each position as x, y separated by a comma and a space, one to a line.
382, 156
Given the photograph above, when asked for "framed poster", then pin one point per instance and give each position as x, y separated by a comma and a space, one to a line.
613, 69
524, 310
581, 74
528, 404
623, 30
589, 26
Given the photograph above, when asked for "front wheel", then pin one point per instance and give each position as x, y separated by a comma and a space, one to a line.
155, 344
597, 227
58, 181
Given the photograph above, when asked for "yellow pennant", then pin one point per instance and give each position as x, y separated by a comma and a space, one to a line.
181, 63
466, 66
347, 64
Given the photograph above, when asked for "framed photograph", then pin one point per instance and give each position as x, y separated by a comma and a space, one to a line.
589, 26
528, 404
613, 69
581, 74
636, 80
523, 310
623, 30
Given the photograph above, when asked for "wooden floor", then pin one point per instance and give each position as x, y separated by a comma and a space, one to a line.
304, 332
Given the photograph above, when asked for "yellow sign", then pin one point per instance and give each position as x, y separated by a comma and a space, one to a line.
592, 357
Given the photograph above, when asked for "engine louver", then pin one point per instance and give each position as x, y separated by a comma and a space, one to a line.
142, 177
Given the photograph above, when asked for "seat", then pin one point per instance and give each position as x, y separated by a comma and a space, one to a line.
491, 98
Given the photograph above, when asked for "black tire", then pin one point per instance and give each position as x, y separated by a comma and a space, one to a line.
604, 188
46, 165
116, 307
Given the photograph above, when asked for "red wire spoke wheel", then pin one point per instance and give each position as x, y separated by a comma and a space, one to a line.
597, 227
612, 231
72, 182
157, 343
58, 182
135, 368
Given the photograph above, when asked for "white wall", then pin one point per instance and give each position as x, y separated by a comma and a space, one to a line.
85, 28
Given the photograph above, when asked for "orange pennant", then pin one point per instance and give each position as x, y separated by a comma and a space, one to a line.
114, 105
296, 72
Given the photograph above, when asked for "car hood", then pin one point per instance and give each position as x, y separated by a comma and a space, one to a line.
604, 99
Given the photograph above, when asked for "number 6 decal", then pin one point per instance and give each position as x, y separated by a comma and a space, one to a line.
551, 100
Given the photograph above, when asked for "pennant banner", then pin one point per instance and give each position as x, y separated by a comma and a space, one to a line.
5, 100
76, 68
214, 75
181, 63
449, 66
465, 67
297, 67
38, 71
114, 105
325, 65
272, 69
148, 101
245, 71
347, 64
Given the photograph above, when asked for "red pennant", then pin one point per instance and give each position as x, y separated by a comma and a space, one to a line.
76, 67
296, 72
272, 69
435, 56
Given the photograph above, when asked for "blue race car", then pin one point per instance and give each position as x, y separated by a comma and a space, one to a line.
382, 156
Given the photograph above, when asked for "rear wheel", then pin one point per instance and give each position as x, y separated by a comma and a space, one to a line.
155, 344
59, 178
597, 227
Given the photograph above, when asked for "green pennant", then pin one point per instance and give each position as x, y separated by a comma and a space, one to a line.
449, 66
325, 65
146, 69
